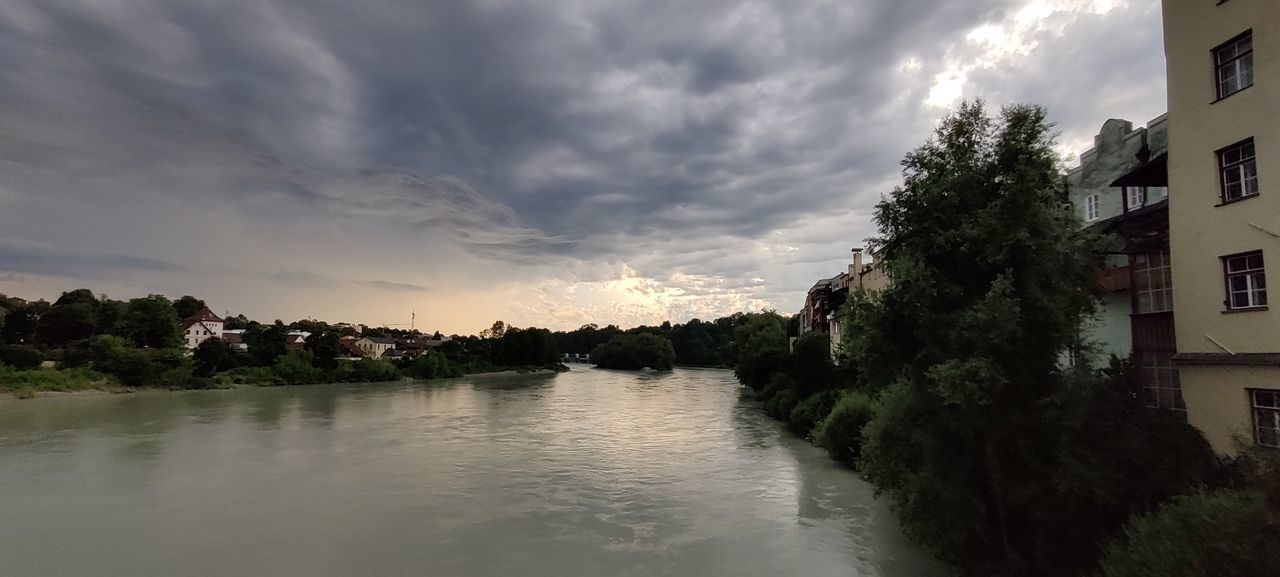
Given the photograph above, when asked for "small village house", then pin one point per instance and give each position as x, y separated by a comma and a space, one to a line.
200, 327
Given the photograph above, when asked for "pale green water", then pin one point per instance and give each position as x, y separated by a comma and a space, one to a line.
591, 473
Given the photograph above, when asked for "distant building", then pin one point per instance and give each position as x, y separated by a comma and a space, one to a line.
821, 312
375, 347
200, 327
235, 339
347, 350
1120, 189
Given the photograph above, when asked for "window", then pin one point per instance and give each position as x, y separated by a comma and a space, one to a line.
1246, 281
1137, 196
1156, 193
1266, 417
1159, 380
1239, 169
1234, 63
1091, 207
1152, 282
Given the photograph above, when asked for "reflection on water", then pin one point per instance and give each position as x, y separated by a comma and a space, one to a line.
591, 472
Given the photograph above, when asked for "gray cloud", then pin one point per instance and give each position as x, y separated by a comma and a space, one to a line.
24, 256
721, 140
396, 286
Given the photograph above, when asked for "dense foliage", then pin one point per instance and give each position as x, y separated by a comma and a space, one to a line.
696, 343
634, 352
997, 459
1220, 533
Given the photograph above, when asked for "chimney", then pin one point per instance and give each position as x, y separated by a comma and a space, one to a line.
856, 268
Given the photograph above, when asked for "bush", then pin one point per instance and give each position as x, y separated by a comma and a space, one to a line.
249, 376
21, 357
431, 365
75, 379
781, 404
295, 368
1228, 533
112, 355
810, 412
369, 371
841, 431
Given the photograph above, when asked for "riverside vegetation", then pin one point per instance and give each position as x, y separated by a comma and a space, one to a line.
950, 396
100, 343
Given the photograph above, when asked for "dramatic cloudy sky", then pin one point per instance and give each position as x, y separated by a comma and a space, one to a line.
546, 163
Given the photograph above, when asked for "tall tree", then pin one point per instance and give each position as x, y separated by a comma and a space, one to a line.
187, 306
73, 317
151, 321
991, 279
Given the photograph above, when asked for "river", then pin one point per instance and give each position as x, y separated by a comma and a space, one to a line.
590, 473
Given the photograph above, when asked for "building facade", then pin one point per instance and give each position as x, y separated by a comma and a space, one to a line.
1223, 61
1106, 207
200, 327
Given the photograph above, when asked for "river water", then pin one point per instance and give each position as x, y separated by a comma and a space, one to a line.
591, 473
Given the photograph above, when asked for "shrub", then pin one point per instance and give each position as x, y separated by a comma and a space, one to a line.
1228, 533
781, 404
431, 365
372, 371
296, 368
249, 376
112, 355
841, 431
21, 356
810, 412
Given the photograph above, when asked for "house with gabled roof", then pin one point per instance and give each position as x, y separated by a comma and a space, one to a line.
200, 327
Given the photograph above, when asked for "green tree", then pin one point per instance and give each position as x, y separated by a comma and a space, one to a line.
213, 356
187, 306
113, 355
325, 349
762, 349
24, 357
634, 352
265, 342
992, 277
73, 317
151, 321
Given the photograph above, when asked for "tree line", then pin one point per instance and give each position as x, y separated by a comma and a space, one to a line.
950, 396
98, 342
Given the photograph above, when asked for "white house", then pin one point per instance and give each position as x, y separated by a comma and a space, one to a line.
200, 327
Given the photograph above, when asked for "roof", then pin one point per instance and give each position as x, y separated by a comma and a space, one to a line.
393, 353
381, 340
232, 338
350, 349
203, 315
1154, 172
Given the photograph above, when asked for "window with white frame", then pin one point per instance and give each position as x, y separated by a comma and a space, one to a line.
1246, 280
1266, 417
1091, 207
1234, 64
1238, 166
1136, 196
1152, 282
1159, 380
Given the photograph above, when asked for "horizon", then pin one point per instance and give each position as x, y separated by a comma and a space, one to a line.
547, 166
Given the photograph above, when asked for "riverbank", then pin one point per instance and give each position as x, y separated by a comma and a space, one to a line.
106, 387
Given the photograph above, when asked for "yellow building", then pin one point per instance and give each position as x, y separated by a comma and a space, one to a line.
1224, 213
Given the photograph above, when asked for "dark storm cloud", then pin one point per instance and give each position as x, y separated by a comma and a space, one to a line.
23, 256
525, 132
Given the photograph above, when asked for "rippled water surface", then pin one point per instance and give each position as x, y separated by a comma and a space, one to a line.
592, 473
